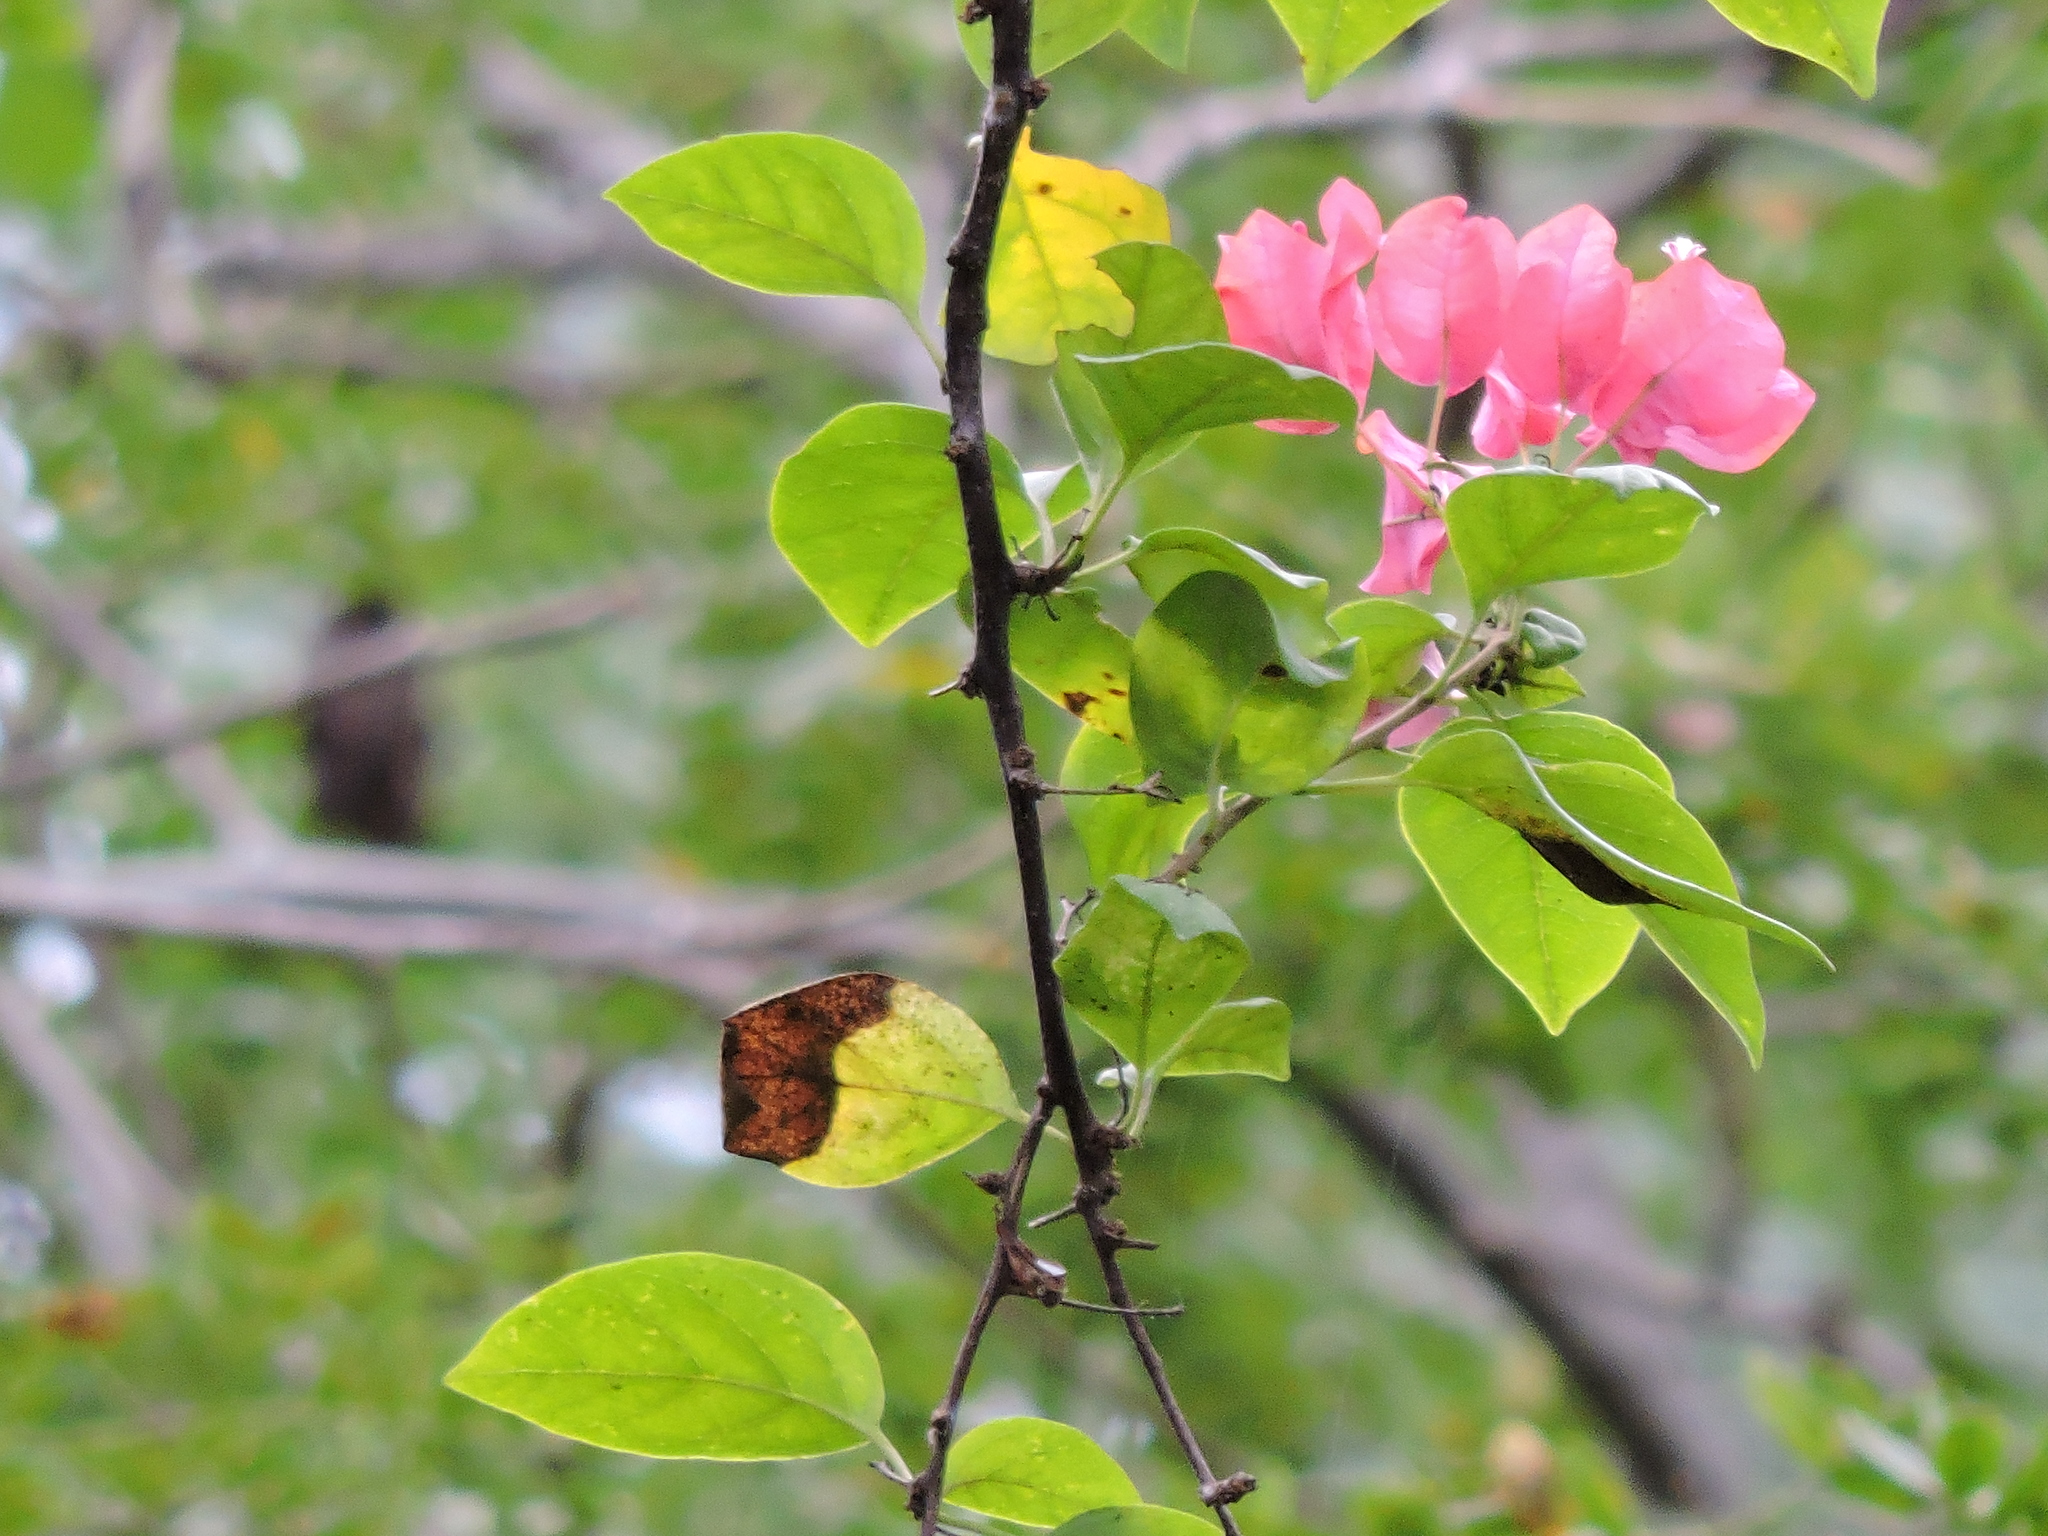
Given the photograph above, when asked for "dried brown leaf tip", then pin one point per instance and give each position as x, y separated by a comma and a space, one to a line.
775, 1063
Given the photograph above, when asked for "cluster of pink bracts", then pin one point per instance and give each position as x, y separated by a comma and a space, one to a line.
1555, 325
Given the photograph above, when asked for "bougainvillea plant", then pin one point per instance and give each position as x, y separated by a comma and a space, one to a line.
1553, 835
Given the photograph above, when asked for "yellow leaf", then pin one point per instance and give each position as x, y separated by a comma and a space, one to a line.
1057, 215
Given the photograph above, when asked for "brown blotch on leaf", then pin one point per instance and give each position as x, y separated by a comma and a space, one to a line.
1076, 701
1589, 875
775, 1063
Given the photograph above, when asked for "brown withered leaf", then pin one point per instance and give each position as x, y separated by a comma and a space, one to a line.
857, 1080
775, 1063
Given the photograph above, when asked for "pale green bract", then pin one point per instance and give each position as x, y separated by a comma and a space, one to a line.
784, 213
868, 514
1033, 1471
685, 1355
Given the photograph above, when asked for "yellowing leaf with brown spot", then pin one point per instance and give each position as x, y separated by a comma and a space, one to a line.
1058, 213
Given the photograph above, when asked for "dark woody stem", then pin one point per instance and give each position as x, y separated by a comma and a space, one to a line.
998, 581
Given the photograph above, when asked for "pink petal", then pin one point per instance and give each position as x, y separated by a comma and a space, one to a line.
1507, 422
1409, 552
1439, 293
1291, 298
1745, 447
1351, 228
1566, 317
1700, 353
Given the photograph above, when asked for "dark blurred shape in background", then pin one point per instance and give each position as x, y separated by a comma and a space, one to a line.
367, 744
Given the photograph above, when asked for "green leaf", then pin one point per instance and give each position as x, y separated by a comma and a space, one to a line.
1193, 662
1172, 302
1561, 736
1840, 35
857, 1080
1172, 299
868, 514
1390, 638
1212, 700
1062, 646
1487, 770
1629, 810
1558, 946
784, 213
1033, 1471
1163, 28
1518, 527
1121, 834
1155, 399
1166, 558
1336, 36
1248, 1037
1136, 1520
684, 1354
1057, 214
1971, 1453
1541, 687
1061, 30
1148, 963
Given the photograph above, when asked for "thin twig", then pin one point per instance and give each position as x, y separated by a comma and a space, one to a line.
927, 1489
166, 725
1234, 812
201, 770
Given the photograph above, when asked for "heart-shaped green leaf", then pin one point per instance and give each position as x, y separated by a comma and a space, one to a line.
684, 1354
1213, 702
1063, 647
1148, 963
1172, 302
1840, 35
1488, 771
784, 213
868, 514
1559, 947
1156, 399
1061, 31
1334, 37
1518, 527
1248, 1037
1035, 1472
1167, 557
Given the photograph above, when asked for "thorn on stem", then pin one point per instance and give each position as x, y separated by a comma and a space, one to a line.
1178, 1309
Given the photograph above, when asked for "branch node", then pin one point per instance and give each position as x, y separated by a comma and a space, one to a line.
991, 1183
1228, 1490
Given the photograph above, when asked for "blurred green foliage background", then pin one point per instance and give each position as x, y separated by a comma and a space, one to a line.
245, 411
